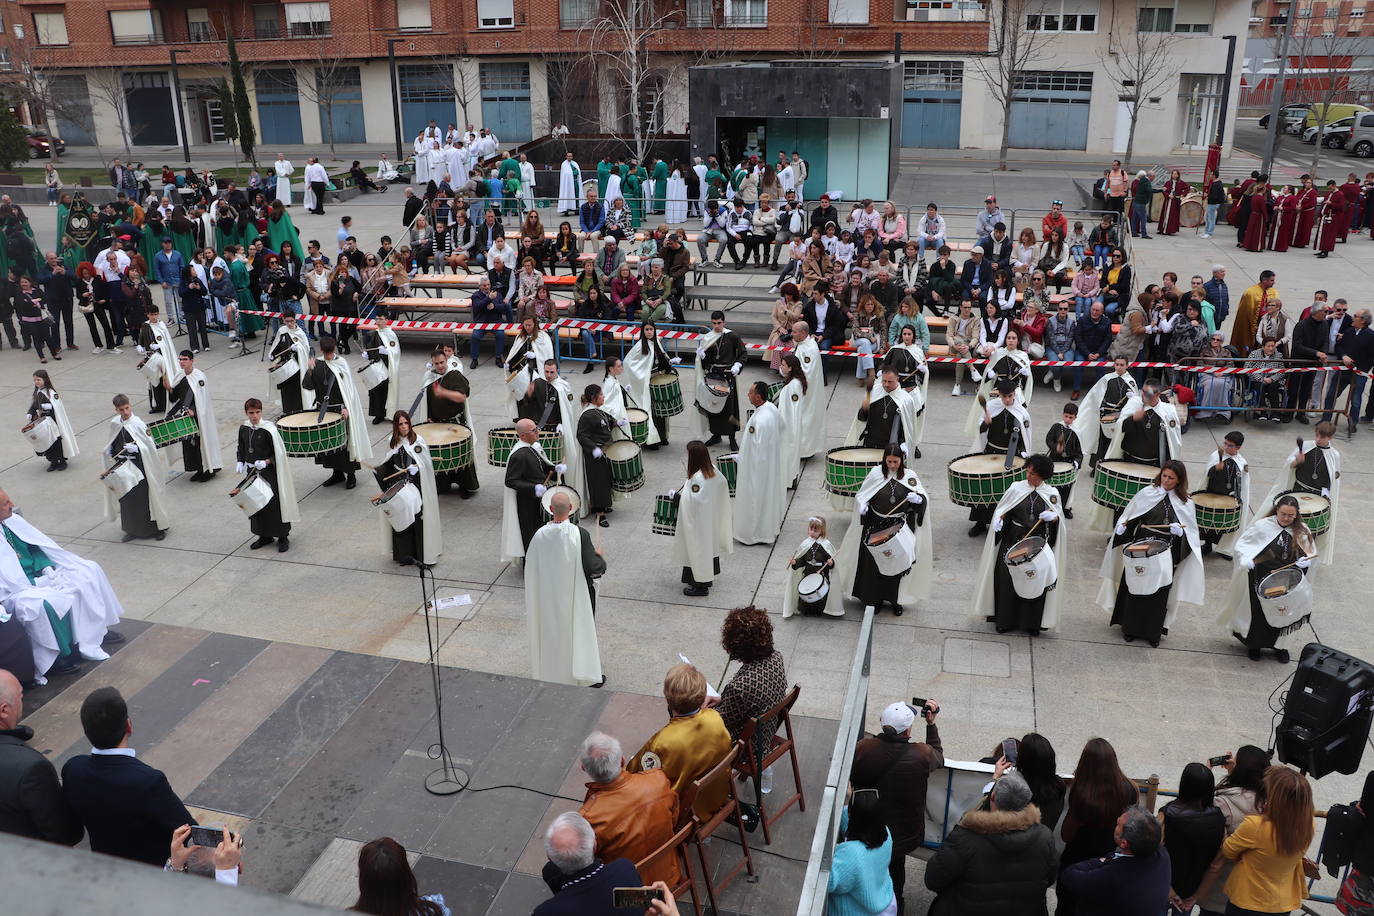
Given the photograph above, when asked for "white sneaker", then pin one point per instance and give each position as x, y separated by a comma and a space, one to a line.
1057, 385
956, 392
975, 375
97, 350
1205, 235
116, 350
1049, 374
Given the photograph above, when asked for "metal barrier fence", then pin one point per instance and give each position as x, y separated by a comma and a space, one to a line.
1242, 392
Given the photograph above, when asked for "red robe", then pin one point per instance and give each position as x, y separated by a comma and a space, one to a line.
1236, 194
1307, 217
1350, 191
1284, 222
1169, 210
1330, 221
1258, 227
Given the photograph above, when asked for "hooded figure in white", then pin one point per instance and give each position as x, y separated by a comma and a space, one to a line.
154, 470
792, 407
1003, 363
569, 412
643, 359
569, 186
50, 402
615, 393
283, 168
391, 351
920, 392
761, 490
811, 438
1173, 440
1316, 470
704, 526
914, 585
512, 542
1259, 551
204, 407
812, 556
559, 603
163, 352
906, 409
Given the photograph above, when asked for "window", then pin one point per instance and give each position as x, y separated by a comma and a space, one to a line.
413, 16
574, 14
1064, 16
265, 21
50, 28
136, 27
701, 14
1183, 16
749, 13
2, 24
5, 62
849, 11
495, 14
198, 26
1052, 81
497, 77
1358, 11
933, 76
306, 20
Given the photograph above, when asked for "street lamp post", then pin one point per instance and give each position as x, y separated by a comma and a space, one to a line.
395, 92
180, 107
1276, 101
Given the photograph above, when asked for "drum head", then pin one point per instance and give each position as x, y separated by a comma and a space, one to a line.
1310, 503
1062, 467
1146, 547
442, 433
852, 455
984, 464
547, 499
1025, 550
635, 415
884, 535
622, 450
1286, 579
1215, 500
662, 379
307, 418
813, 587
719, 386
1147, 472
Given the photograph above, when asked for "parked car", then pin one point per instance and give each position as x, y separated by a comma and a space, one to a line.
1290, 116
1361, 141
1335, 135
40, 144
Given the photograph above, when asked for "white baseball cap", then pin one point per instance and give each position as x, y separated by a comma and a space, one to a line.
898, 717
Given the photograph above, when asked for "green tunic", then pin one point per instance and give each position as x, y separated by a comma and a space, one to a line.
737, 178
715, 184
33, 561
184, 242
238, 272
603, 175
149, 246
282, 230
633, 192
71, 254
660, 185
508, 168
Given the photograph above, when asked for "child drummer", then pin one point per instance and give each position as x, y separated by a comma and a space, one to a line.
815, 555
1228, 474
1061, 444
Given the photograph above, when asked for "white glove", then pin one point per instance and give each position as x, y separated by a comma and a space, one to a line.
1120, 530
1176, 529
413, 470
154, 348
701, 353
672, 494
596, 452
539, 489
903, 447
997, 525
131, 448
735, 369
1048, 515
1304, 562
561, 468
261, 465
559, 429
622, 422
914, 498
140, 349
1249, 564
675, 361
240, 467
1026, 371
862, 506
1326, 491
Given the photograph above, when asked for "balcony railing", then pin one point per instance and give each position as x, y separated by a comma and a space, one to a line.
935, 11
309, 29
201, 31
718, 19
155, 38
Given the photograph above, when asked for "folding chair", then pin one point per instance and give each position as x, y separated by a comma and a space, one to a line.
755, 760
677, 846
722, 774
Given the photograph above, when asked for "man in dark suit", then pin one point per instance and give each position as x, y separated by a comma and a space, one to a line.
31, 802
127, 807
1133, 881
1309, 337
581, 884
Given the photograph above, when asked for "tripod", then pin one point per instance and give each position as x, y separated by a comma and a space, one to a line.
448, 779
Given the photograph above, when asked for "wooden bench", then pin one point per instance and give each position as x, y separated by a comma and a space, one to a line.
551, 234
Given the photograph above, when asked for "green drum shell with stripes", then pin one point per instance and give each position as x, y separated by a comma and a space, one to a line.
979, 479
1113, 489
172, 430
665, 516
846, 466
665, 395
728, 465
309, 438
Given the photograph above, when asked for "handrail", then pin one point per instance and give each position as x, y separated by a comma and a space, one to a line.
852, 717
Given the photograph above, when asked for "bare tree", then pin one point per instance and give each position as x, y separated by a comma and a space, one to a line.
1324, 74
467, 90
1139, 63
323, 81
1015, 46
617, 37
107, 90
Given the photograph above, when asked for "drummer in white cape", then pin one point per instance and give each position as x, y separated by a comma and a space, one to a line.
446, 395
792, 407
1314, 468
906, 358
761, 490
560, 600
411, 527
886, 553
262, 455
887, 415
1100, 410
554, 409
1006, 429
1007, 363
808, 582
595, 428
1147, 433
47, 420
1227, 475
1024, 561
291, 344
201, 452
382, 350
645, 359
155, 344
1277, 541
1142, 587
811, 436
1062, 445
332, 382
528, 474
703, 522
569, 186
720, 357
64, 602
614, 391
531, 349
142, 510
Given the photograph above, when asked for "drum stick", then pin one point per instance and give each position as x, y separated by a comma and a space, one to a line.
397, 474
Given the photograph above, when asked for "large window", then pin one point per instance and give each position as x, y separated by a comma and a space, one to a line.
306, 20
50, 28
933, 76
574, 14
198, 27
5, 62
495, 14
136, 27
413, 16
1063, 16
848, 11
266, 23
748, 13
1181, 16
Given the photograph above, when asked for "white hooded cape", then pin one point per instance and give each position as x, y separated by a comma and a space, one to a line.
1089, 423
812, 435
1022, 359
154, 471
283, 168
76, 588
639, 368
908, 407
569, 186
1228, 542
538, 352
983, 604
792, 406
431, 526
1189, 582
700, 426
1327, 541
286, 486
392, 345
834, 600
512, 547
527, 184
562, 629
1235, 612
1018, 410
570, 411
920, 395
615, 397
166, 352
64, 424
703, 525
1101, 519
915, 585
359, 443
300, 344
761, 491
210, 456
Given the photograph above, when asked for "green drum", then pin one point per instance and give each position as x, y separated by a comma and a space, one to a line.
627, 467
728, 465
1217, 513
303, 436
172, 430
981, 480
775, 389
450, 445
1315, 510
1117, 481
1064, 474
847, 466
639, 424
665, 395
501, 439
665, 516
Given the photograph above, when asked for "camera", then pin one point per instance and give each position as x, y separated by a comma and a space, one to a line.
634, 897
920, 706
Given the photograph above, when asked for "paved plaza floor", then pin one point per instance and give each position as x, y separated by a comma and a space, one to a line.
335, 619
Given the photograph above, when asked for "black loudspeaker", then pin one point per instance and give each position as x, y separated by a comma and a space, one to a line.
1327, 712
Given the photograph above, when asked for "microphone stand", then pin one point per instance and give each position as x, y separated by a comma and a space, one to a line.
448, 779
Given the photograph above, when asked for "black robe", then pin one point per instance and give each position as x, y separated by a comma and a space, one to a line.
1282, 551
1227, 482
1142, 616
1010, 610
721, 355
1062, 444
886, 508
812, 562
1144, 441
290, 390
321, 380
408, 543
1117, 393
255, 444
1314, 474
662, 365
526, 470
157, 395
375, 351
135, 512
183, 400
541, 407
594, 430
909, 371
883, 426
442, 410
1000, 434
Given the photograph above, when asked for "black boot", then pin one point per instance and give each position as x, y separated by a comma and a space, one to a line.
335, 478
350, 482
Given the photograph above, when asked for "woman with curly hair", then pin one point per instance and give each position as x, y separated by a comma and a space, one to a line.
758, 685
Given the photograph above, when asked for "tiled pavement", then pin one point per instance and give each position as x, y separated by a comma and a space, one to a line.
312, 752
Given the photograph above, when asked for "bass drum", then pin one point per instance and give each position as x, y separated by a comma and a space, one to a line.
1193, 211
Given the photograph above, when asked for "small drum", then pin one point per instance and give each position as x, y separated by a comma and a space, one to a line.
152, 370
1315, 510
1117, 481
728, 465
546, 500
627, 467
122, 478
1064, 474
450, 445
400, 504
812, 590
1192, 210
847, 466
501, 439
893, 549
1285, 597
665, 395
284, 372
1031, 564
981, 480
712, 394
665, 516
253, 495
1217, 513
42, 434
374, 373
1109, 424
639, 424
172, 430
303, 436
1148, 566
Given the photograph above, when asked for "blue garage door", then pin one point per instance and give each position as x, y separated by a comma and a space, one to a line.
426, 95
346, 86
932, 91
279, 106
506, 100
1050, 110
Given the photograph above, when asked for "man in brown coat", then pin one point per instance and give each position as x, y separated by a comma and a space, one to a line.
899, 770
633, 814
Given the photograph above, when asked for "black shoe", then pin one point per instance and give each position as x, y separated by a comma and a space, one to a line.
603, 522
65, 665
406, 562
260, 542
749, 816
1206, 547
915, 454
161, 535
1255, 655
464, 494
112, 638
283, 545
1128, 637
199, 477
351, 482
734, 446
588, 368
473, 364
896, 610
599, 684
377, 421
1281, 656
127, 538
714, 440
978, 529
52, 466
695, 591
1068, 513
335, 478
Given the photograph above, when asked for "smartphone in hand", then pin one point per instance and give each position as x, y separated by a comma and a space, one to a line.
205, 836
635, 897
